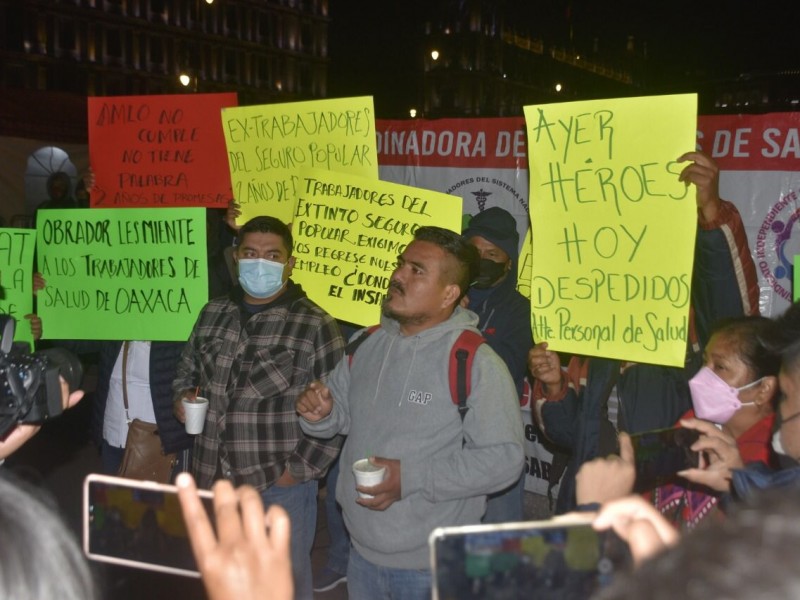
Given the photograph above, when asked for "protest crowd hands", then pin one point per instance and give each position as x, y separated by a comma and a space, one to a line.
388, 491
39, 283
25, 431
721, 456
231, 214
177, 404
545, 366
36, 326
704, 173
248, 557
315, 403
605, 479
640, 524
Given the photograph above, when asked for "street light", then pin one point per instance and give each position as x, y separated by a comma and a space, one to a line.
435, 55
558, 87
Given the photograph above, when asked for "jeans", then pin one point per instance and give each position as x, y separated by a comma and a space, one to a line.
506, 506
367, 581
300, 501
339, 550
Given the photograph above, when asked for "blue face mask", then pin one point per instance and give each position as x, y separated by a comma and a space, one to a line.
260, 278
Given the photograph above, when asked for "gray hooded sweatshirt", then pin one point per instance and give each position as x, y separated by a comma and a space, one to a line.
394, 401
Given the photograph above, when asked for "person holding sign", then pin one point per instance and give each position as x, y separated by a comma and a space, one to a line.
393, 402
251, 354
573, 407
502, 314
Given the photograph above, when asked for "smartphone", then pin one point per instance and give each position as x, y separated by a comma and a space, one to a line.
137, 524
562, 558
661, 453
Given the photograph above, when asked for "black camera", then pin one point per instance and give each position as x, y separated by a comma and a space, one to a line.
30, 390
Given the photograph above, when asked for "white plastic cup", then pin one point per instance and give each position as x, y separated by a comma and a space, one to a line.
195, 410
367, 475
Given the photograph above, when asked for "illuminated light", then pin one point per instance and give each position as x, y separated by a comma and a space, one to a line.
435, 54
184, 79
413, 113
209, 1
558, 87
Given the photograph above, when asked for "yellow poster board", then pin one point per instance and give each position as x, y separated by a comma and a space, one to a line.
613, 227
348, 232
269, 144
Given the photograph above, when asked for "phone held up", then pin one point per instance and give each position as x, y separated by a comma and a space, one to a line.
138, 524
661, 453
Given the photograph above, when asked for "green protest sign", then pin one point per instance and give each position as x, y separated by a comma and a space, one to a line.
122, 274
16, 278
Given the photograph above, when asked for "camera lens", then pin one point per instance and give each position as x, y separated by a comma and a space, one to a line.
69, 366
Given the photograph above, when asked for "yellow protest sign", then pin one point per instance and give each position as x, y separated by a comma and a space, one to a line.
348, 232
613, 228
524, 266
269, 144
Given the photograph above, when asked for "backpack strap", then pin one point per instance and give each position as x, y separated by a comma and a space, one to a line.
460, 370
354, 343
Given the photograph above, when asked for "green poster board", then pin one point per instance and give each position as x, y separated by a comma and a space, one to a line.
122, 274
16, 278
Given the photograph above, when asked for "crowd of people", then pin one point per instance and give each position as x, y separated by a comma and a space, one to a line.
293, 402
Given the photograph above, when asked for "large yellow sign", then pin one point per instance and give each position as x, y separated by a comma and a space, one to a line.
613, 227
348, 232
269, 144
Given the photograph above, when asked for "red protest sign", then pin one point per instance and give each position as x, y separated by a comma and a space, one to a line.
159, 151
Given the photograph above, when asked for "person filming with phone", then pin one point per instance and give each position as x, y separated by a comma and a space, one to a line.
733, 393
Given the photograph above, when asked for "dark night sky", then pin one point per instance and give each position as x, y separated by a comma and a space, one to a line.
373, 49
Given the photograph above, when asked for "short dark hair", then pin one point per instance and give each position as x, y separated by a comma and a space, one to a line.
783, 337
466, 255
748, 334
266, 224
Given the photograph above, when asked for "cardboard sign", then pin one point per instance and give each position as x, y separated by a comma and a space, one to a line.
268, 145
613, 228
122, 274
348, 232
16, 278
156, 151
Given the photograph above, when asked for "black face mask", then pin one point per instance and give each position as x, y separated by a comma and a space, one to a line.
489, 274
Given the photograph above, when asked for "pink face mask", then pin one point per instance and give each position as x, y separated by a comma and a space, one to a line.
713, 399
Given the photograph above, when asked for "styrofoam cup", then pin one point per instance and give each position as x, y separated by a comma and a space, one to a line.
195, 410
367, 475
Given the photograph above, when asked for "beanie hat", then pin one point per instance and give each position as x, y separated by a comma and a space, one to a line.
497, 226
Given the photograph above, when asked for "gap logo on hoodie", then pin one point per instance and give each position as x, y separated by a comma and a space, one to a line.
418, 397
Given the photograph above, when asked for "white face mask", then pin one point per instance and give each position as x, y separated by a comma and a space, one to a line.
259, 277
777, 444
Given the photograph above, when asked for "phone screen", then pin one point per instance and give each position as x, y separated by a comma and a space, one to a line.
525, 560
138, 524
661, 453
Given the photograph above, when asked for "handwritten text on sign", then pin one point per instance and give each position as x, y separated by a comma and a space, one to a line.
268, 145
348, 233
122, 274
16, 277
159, 151
607, 210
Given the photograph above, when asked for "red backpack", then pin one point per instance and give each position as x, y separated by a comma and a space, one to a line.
460, 370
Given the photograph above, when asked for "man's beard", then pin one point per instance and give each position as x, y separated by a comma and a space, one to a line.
386, 311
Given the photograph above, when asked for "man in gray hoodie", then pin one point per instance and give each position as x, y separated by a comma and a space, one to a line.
393, 401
